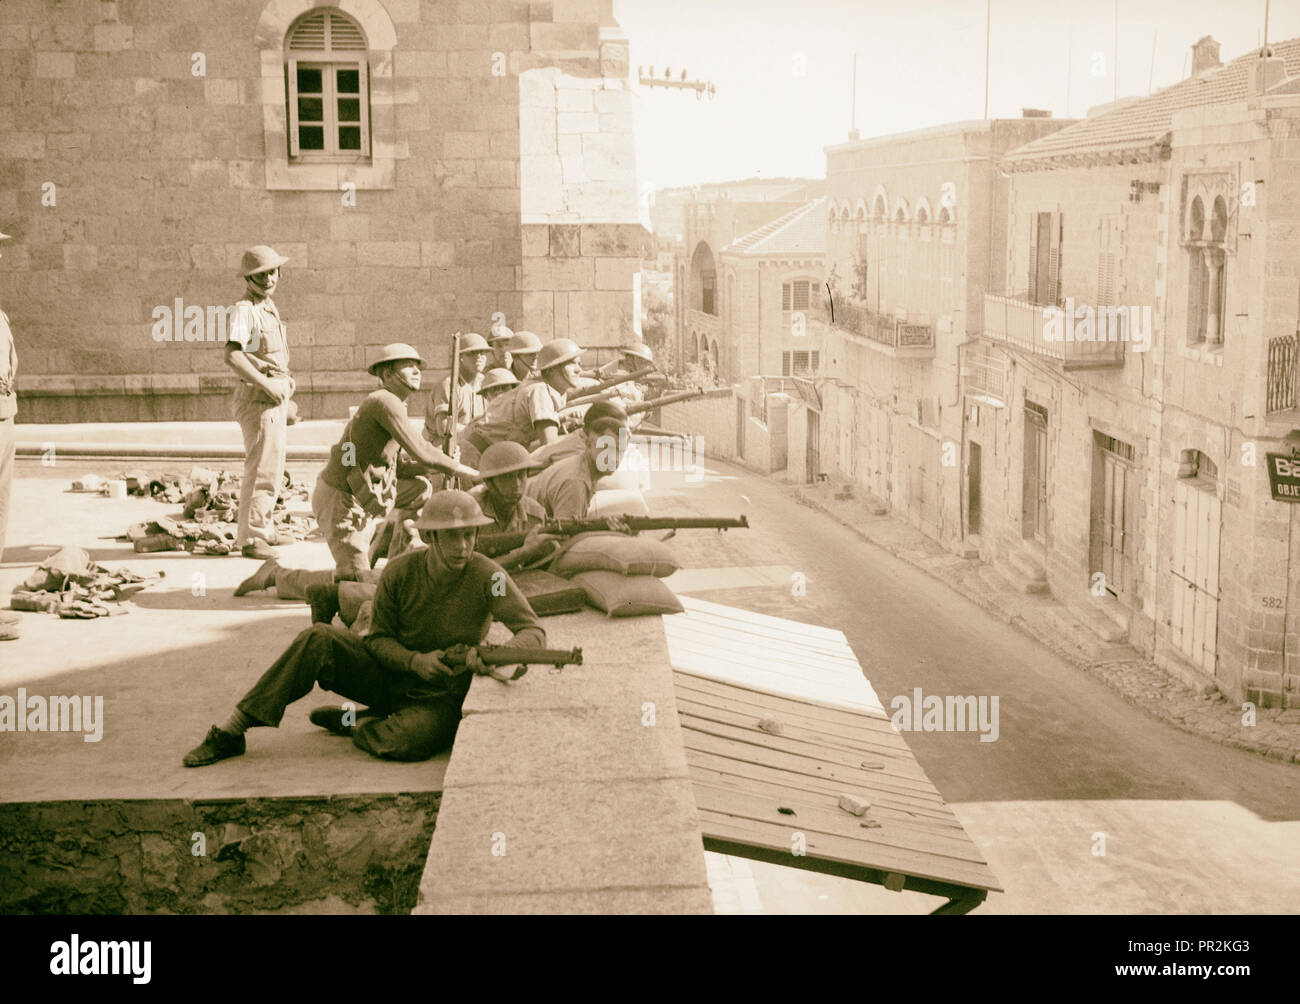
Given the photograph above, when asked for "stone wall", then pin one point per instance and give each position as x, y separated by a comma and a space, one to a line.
138, 856
144, 155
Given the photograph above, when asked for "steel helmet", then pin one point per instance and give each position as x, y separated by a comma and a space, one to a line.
604, 412
524, 343
395, 350
504, 457
557, 353
499, 333
451, 510
473, 342
260, 258
497, 377
640, 350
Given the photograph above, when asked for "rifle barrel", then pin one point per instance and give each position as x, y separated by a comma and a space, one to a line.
506, 655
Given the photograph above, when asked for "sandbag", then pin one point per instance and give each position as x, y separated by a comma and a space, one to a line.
628, 595
614, 552
619, 502
549, 594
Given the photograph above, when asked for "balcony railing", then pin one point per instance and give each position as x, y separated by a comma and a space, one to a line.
1282, 386
984, 373
1029, 327
884, 328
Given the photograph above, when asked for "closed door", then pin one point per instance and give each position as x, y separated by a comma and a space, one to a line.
1195, 609
974, 516
1113, 519
812, 453
1034, 497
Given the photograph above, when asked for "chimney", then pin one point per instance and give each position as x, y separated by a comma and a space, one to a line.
1205, 55
1035, 113
1263, 72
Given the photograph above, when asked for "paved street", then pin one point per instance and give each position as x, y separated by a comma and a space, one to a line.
1189, 825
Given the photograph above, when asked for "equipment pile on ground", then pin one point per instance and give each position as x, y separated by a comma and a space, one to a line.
71, 585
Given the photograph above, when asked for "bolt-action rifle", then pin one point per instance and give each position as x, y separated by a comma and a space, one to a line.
500, 543
592, 393
508, 655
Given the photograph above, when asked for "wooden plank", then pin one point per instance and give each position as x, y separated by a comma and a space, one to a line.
714, 664
798, 771
827, 847
841, 721
827, 817
779, 786
694, 604
861, 740
902, 770
838, 660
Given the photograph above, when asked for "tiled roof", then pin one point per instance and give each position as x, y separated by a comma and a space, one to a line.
1140, 123
799, 233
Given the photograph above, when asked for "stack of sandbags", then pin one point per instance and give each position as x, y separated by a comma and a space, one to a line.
620, 574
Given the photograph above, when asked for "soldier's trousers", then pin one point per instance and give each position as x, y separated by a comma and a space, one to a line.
412, 727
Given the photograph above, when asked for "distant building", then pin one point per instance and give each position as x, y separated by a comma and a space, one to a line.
1118, 456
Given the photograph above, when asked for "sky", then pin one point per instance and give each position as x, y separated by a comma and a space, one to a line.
920, 64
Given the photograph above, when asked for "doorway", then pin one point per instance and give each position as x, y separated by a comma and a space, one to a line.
1034, 497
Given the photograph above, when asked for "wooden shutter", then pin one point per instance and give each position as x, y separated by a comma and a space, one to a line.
1054, 260
785, 296
291, 93
1033, 258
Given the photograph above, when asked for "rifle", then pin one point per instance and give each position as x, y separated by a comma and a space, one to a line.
589, 394
506, 655
686, 395
502, 542
449, 446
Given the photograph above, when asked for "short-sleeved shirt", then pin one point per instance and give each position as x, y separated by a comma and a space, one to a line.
527, 514
367, 441
531, 402
259, 333
471, 401
8, 370
565, 488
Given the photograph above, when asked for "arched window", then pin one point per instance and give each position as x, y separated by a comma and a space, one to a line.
715, 355
1206, 263
329, 87
328, 110
1193, 464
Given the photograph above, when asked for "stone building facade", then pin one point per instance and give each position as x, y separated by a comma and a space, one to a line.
913, 242
425, 165
1129, 474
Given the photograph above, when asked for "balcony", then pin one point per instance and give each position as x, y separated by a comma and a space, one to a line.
903, 336
1282, 384
1029, 327
984, 375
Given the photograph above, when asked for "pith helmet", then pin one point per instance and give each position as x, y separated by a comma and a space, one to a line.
524, 343
504, 457
451, 510
640, 350
395, 350
473, 342
497, 377
499, 334
260, 258
557, 353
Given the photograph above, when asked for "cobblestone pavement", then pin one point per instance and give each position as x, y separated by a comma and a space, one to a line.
1275, 734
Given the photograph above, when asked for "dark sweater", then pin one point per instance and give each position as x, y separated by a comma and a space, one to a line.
416, 612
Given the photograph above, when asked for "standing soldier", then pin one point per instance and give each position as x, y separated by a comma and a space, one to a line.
258, 352
523, 349
8, 408
474, 354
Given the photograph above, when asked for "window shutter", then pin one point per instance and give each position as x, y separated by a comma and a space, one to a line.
363, 67
291, 90
785, 296
1033, 258
1054, 260
785, 363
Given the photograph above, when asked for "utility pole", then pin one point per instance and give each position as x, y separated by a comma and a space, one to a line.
1069, 64
1115, 52
1152, 72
